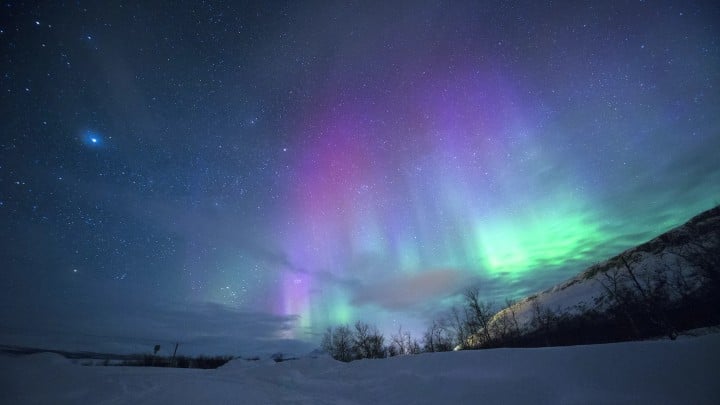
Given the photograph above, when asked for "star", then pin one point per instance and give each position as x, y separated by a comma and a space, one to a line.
499, 147
92, 139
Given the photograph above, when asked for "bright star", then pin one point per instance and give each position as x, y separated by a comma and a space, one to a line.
92, 139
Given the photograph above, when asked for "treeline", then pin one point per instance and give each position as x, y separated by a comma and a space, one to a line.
203, 362
678, 292
363, 341
661, 288
457, 330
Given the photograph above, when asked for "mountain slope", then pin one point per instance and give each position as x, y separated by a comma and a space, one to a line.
668, 283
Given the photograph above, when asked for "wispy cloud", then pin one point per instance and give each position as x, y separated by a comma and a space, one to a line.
406, 291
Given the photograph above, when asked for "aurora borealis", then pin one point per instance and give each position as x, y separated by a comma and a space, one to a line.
285, 166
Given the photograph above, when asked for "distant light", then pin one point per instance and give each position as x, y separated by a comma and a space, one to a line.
93, 139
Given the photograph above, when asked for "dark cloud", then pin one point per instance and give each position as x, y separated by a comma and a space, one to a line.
130, 327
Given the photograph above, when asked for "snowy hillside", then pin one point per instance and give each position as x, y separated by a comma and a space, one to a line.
671, 267
668, 372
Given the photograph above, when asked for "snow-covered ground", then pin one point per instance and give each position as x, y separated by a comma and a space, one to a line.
652, 372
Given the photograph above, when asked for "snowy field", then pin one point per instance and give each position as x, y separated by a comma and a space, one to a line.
685, 371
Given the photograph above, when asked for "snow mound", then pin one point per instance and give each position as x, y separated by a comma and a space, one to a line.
668, 372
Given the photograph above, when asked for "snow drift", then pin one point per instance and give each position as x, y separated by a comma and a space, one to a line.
668, 372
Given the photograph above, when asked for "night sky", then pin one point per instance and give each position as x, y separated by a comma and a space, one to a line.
237, 176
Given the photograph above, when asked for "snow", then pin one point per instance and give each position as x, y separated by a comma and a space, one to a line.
582, 292
660, 372
562, 299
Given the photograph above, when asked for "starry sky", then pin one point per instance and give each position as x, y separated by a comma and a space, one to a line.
239, 175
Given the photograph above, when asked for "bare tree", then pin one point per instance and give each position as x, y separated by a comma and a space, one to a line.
413, 345
704, 260
376, 346
398, 342
621, 297
391, 350
680, 286
512, 318
459, 326
361, 340
404, 343
653, 297
504, 326
437, 338
367, 342
543, 321
480, 315
338, 343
